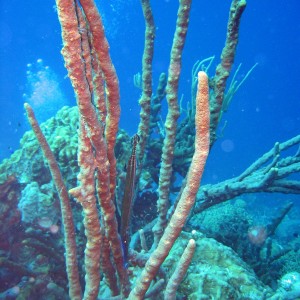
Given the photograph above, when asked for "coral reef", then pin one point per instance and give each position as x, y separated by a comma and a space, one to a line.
54, 246
215, 272
227, 223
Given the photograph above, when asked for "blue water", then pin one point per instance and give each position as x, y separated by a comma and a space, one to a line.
265, 110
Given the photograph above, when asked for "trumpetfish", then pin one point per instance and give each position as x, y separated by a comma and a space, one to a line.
128, 197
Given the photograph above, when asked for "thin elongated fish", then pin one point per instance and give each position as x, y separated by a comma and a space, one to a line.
128, 197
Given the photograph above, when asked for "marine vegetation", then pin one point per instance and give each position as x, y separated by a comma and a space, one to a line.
89, 213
